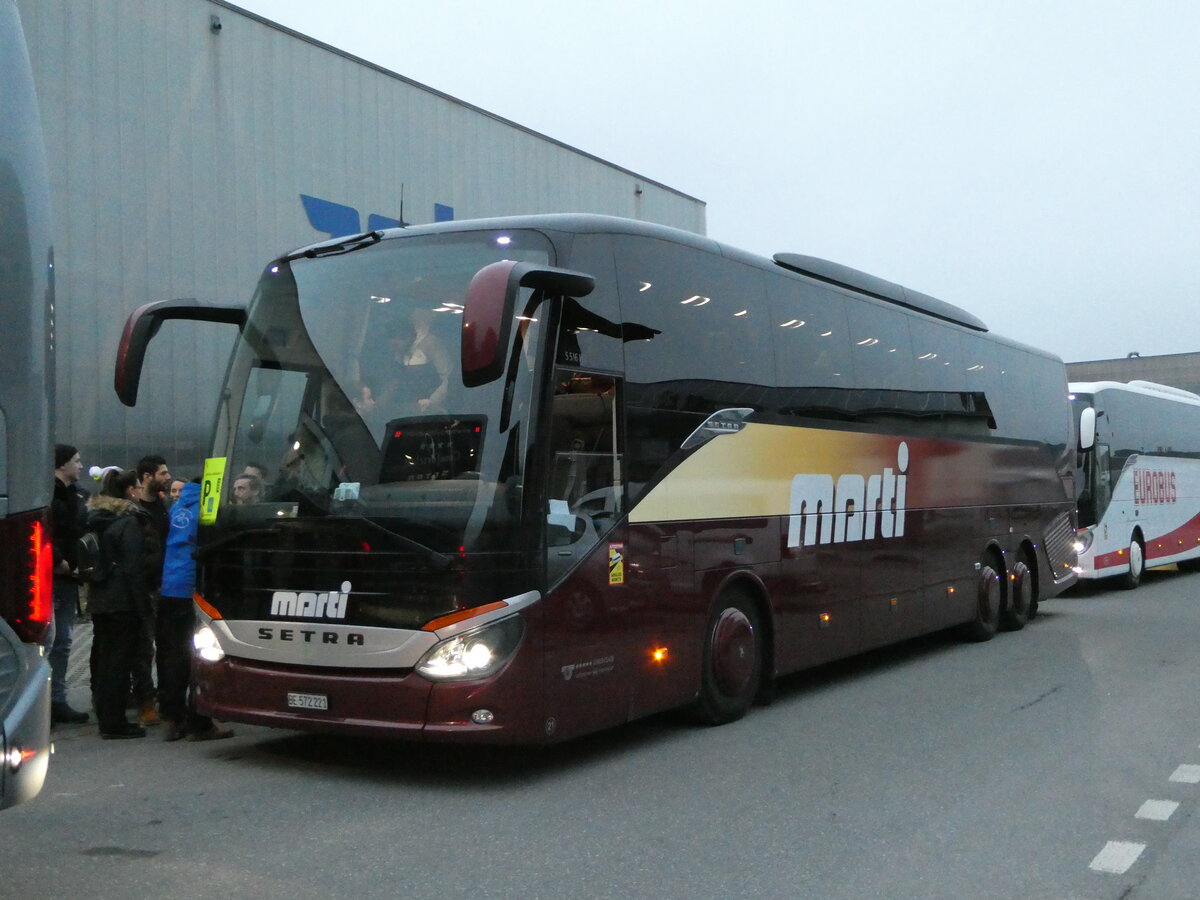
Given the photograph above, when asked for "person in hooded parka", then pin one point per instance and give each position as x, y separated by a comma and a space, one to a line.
121, 601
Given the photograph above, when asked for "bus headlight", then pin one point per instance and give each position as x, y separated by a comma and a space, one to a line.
1083, 540
475, 654
206, 644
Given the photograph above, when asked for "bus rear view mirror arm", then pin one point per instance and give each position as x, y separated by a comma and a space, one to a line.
491, 305
143, 324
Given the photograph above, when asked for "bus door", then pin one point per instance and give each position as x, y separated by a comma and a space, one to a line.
587, 614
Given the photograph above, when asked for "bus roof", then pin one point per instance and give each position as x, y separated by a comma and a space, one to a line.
806, 266
1145, 388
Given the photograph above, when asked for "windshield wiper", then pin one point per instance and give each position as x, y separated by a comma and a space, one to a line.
436, 558
224, 539
335, 247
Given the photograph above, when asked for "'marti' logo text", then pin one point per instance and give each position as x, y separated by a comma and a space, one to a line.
857, 508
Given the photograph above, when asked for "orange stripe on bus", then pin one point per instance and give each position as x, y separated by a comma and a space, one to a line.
461, 615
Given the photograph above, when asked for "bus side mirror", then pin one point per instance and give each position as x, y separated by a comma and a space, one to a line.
490, 307
143, 324
1087, 428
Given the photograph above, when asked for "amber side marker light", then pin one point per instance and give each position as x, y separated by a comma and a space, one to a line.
209, 610
659, 654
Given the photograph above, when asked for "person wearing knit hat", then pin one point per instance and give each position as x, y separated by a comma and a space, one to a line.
67, 513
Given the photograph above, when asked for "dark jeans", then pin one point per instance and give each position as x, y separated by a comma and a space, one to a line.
66, 604
143, 669
176, 624
115, 638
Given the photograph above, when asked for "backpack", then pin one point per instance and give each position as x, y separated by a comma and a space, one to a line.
90, 560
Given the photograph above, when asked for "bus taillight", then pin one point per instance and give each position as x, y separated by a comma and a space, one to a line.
41, 579
26, 572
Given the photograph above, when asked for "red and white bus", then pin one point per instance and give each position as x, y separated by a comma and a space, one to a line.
528, 478
1138, 478
26, 396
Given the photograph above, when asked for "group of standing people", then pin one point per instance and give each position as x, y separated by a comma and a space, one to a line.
139, 597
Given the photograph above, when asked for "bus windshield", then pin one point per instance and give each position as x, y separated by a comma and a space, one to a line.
352, 402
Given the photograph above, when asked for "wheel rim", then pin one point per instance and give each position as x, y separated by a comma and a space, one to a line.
1022, 594
1135, 559
989, 595
733, 652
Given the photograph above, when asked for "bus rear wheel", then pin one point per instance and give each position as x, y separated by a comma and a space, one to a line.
1022, 601
989, 592
733, 659
1137, 564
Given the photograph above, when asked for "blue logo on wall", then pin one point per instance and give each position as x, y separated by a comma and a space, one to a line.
336, 219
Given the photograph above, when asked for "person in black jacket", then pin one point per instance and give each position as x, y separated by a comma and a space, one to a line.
154, 480
121, 602
66, 518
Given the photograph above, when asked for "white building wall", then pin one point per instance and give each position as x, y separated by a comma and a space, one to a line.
177, 158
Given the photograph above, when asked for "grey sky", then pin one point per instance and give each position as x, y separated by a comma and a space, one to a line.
1033, 162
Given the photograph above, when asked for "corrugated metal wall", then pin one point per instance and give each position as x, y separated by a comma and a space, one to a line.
177, 160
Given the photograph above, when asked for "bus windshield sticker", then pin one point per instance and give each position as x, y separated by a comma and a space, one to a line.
616, 564
210, 489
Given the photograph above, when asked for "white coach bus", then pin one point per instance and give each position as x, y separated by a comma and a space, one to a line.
1137, 478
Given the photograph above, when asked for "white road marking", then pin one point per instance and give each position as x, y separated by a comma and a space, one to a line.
1187, 775
1117, 857
1158, 810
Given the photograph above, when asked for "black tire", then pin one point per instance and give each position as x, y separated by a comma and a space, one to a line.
732, 666
989, 597
1189, 565
1137, 564
1022, 597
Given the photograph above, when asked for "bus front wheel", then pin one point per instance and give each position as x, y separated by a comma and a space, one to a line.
733, 659
1137, 564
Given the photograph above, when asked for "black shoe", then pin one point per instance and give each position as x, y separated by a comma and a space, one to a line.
123, 731
62, 714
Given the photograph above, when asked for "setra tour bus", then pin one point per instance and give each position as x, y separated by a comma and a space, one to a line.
26, 397
1137, 478
528, 478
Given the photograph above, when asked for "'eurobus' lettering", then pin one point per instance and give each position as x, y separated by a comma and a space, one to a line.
311, 605
857, 509
1152, 486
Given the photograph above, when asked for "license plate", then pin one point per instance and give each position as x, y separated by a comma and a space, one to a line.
307, 701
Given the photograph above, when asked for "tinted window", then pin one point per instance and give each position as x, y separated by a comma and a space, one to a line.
879, 346
811, 336
695, 329
938, 363
702, 327
591, 325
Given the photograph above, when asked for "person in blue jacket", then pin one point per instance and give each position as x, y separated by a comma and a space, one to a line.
176, 623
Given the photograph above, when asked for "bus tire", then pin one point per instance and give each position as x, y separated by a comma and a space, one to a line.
1189, 565
1022, 597
731, 669
1137, 563
988, 600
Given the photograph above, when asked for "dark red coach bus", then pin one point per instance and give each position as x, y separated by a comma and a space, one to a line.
528, 478
26, 398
